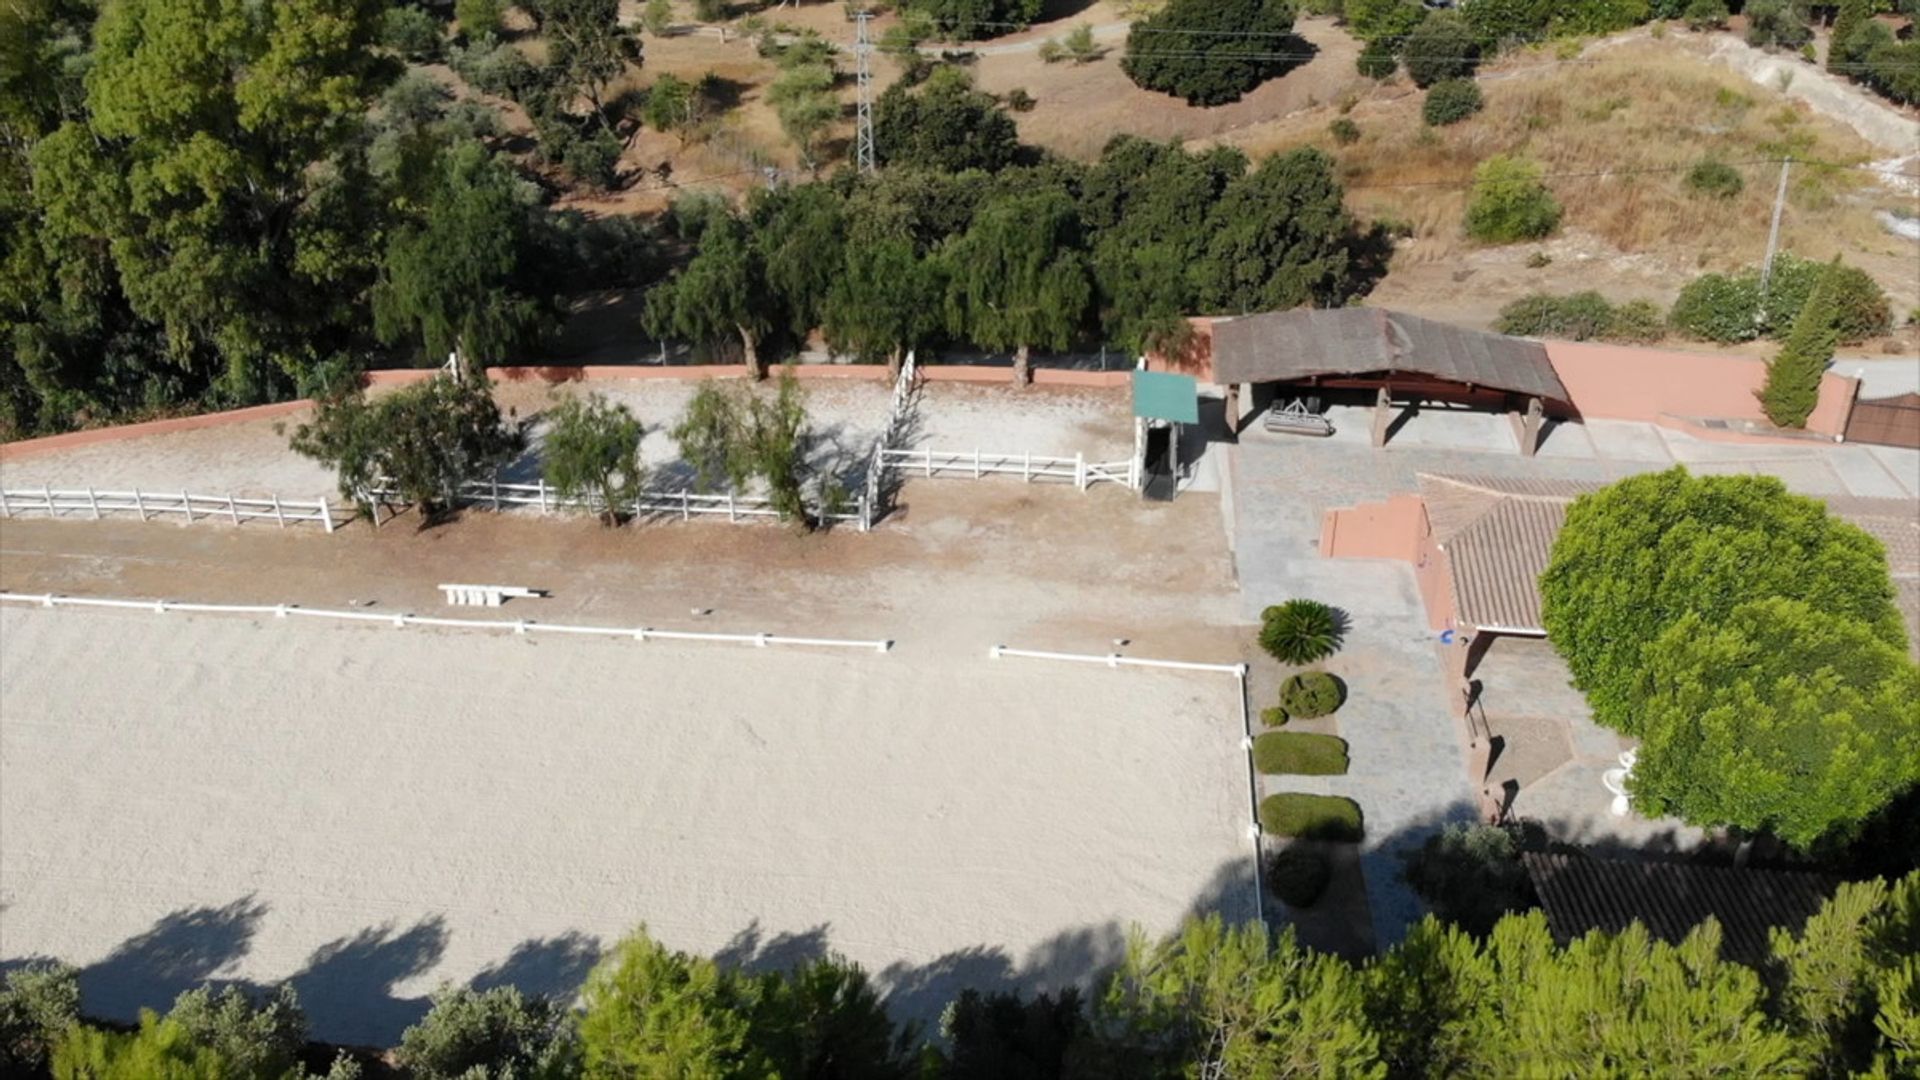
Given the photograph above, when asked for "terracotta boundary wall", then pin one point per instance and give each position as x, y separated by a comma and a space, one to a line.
1395, 529
14, 451
1670, 388
553, 375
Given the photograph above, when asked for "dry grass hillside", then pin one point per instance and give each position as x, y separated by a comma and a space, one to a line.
1620, 126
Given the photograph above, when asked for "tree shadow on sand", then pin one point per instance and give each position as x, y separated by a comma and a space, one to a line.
348, 985
184, 949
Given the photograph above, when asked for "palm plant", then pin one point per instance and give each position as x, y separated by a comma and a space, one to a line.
1300, 631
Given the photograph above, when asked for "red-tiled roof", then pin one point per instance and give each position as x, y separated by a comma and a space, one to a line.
1580, 893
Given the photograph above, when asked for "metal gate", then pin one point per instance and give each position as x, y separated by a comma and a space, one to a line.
1893, 421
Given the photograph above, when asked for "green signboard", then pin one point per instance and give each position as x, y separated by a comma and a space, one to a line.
1161, 395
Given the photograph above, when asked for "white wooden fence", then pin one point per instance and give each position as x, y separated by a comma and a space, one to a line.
1029, 467
397, 619
148, 504
899, 412
682, 502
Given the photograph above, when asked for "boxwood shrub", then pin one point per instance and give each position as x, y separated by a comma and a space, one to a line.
1310, 694
1300, 753
1274, 716
1298, 875
1311, 817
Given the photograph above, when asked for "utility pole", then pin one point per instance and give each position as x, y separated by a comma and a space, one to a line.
1773, 232
863, 78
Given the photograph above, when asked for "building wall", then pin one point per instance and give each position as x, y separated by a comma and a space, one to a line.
1619, 382
1395, 529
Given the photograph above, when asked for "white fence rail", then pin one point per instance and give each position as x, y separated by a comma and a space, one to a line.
398, 619
899, 411
149, 504
1239, 673
1028, 467
681, 502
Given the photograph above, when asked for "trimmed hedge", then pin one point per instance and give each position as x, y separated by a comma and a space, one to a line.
1300, 753
1310, 694
1299, 876
1311, 817
1582, 316
1274, 716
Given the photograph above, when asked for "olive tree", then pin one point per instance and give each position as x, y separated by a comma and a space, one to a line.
729, 432
592, 453
420, 443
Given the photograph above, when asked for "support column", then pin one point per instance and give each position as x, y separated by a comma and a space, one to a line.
1382, 417
1530, 431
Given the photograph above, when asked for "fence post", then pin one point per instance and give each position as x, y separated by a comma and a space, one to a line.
326, 515
277, 515
1026, 468
186, 503
543, 494
976, 463
139, 504
929, 461
686, 506
730, 515
494, 486
47, 493
1080, 469
231, 512
7, 511
93, 502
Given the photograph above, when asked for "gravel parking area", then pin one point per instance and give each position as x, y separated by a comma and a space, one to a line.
368, 812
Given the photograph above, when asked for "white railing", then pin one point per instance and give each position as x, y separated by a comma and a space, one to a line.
148, 504
899, 410
518, 626
930, 463
1239, 673
683, 502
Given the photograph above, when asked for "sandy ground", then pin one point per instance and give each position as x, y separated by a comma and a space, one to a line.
368, 812
252, 458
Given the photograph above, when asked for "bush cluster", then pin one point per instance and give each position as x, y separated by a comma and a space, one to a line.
1344, 131
1728, 308
1471, 875
1510, 202
1451, 102
1716, 179
1300, 753
1312, 817
1582, 316
1211, 52
1311, 694
1299, 875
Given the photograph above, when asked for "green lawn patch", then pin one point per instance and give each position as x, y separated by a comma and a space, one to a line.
1300, 753
1311, 817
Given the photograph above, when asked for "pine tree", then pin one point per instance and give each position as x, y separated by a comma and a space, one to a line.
1793, 378
1848, 19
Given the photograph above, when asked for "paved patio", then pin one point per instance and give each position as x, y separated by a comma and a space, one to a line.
1408, 770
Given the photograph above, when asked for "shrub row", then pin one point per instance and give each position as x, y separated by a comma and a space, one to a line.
1582, 316
1311, 817
1300, 753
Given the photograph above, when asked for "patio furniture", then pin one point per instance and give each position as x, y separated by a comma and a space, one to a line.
1615, 780
1294, 419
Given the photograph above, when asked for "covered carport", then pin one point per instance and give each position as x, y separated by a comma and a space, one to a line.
1402, 360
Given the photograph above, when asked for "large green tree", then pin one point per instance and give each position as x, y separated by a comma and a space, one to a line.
592, 452
1779, 718
885, 299
944, 124
1019, 277
214, 130
421, 442
1639, 555
722, 294
1279, 237
1514, 1004
463, 277
1211, 52
976, 18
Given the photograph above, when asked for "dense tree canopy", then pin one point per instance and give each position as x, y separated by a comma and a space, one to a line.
944, 124
976, 18
1782, 718
1211, 52
1637, 556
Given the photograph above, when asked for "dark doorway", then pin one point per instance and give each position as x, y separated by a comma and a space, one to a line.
1161, 480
